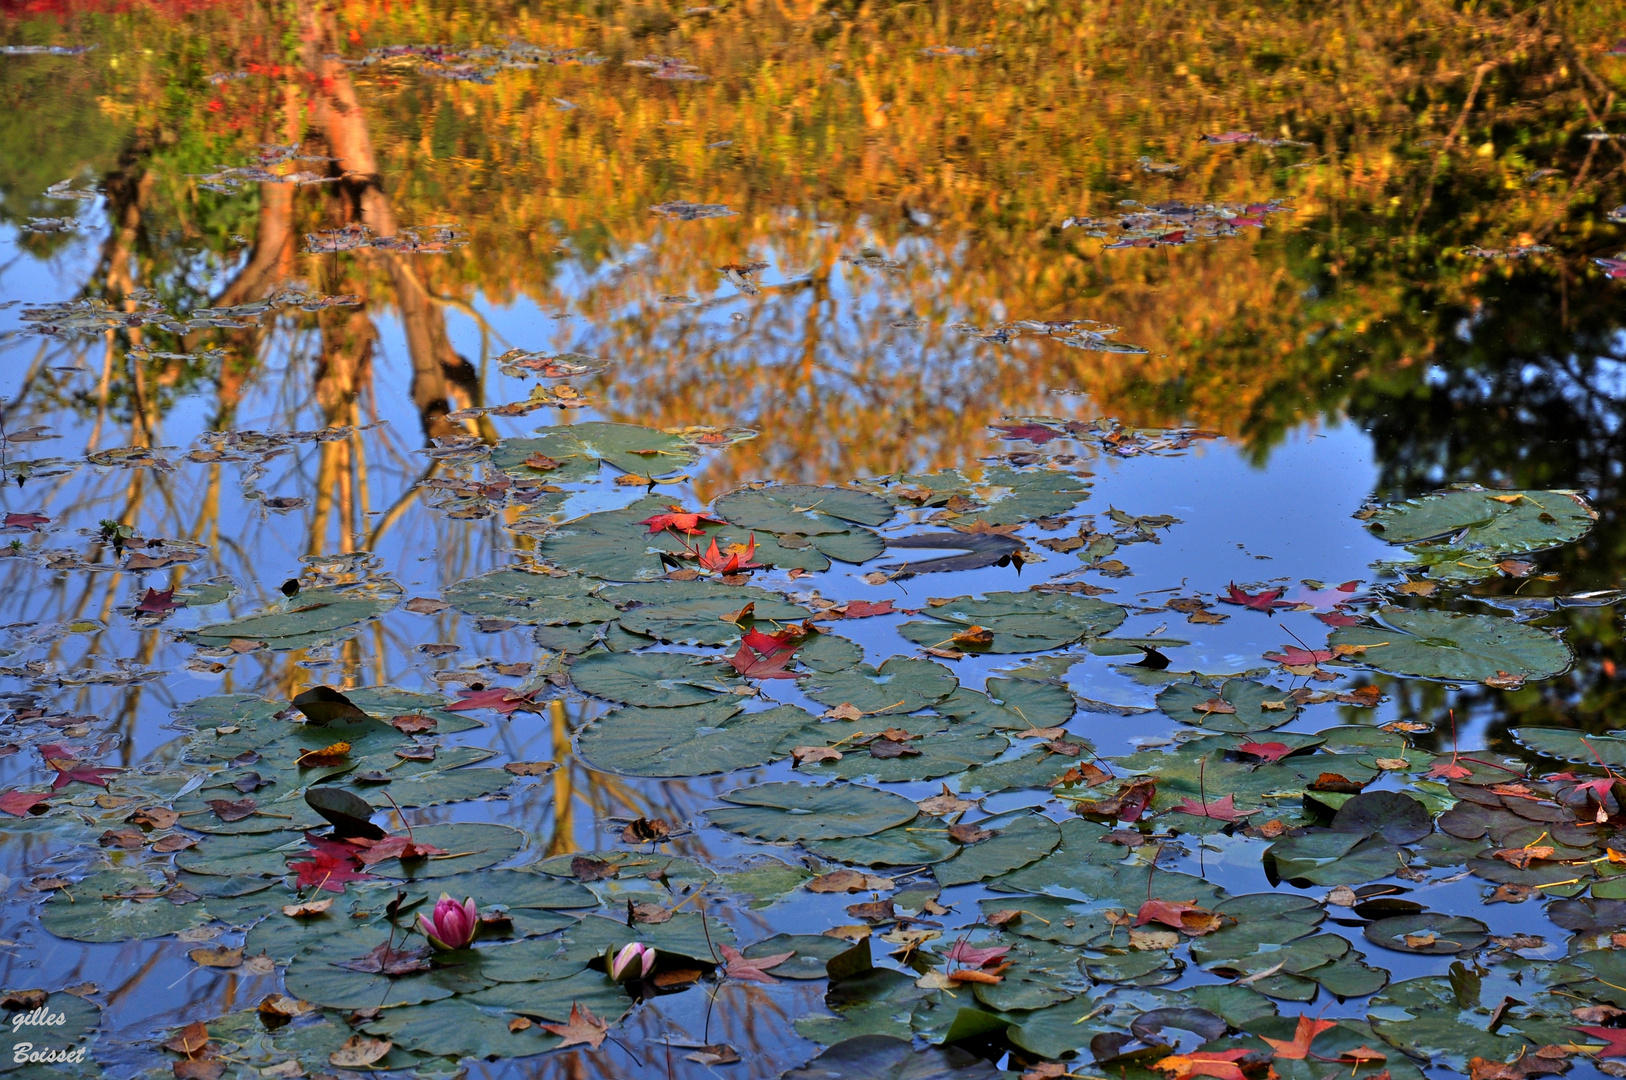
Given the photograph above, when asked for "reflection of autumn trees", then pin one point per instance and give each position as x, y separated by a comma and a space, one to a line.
842, 132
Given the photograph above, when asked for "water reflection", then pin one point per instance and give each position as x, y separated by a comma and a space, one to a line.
896, 193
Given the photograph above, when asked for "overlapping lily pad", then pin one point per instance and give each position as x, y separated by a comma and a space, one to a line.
1020, 622
1445, 645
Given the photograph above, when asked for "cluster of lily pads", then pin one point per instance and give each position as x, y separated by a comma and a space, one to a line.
1065, 928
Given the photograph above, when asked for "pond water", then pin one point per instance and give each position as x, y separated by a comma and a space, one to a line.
502, 450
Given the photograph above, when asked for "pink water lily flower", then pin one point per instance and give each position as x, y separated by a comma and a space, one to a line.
452, 925
634, 961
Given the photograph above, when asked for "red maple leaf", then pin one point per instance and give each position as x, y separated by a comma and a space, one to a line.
1176, 913
1614, 1037
863, 609
1293, 656
1269, 751
1220, 809
1037, 434
502, 698
712, 559
755, 665
1339, 617
681, 521
68, 768
22, 803
157, 603
394, 847
755, 969
975, 956
1600, 789
1298, 1047
25, 521
334, 863
1448, 770
1266, 600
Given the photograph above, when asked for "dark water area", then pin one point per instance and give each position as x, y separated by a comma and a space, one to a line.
1262, 366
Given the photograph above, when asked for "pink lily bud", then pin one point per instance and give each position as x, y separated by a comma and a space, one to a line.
634, 961
452, 925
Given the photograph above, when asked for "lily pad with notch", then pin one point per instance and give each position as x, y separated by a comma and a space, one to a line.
780, 812
693, 740
1445, 645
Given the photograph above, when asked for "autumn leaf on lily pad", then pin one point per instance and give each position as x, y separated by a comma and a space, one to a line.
1613, 1038
22, 803
157, 603
1221, 1064
1298, 1048
374, 852
503, 699
1269, 751
582, 1029
68, 768
736, 559
1293, 656
977, 956
738, 966
1187, 918
1218, 809
679, 520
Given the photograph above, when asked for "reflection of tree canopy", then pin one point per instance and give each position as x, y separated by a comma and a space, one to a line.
836, 115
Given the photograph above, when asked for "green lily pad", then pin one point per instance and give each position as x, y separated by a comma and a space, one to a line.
886, 1057
685, 934
113, 905
1444, 645
876, 1003
1463, 533
530, 597
939, 752
691, 612
307, 617
1335, 858
1011, 705
470, 845
1567, 744
1018, 843
580, 447
1020, 621
1014, 497
658, 679
1442, 1020
802, 509
693, 740
903, 845
779, 812
1427, 932
900, 686
1188, 704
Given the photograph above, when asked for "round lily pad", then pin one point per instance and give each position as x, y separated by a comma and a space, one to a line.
691, 612
119, 905
812, 950
1019, 842
780, 812
659, 679
693, 740
527, 596
469, 845
902, 845
1445, 645
1020, 621
1428, 932
802, 508
306, 617
900, 686
1241, 706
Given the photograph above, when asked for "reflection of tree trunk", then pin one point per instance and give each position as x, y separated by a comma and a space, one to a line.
435, 364
270, 263
127, 189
